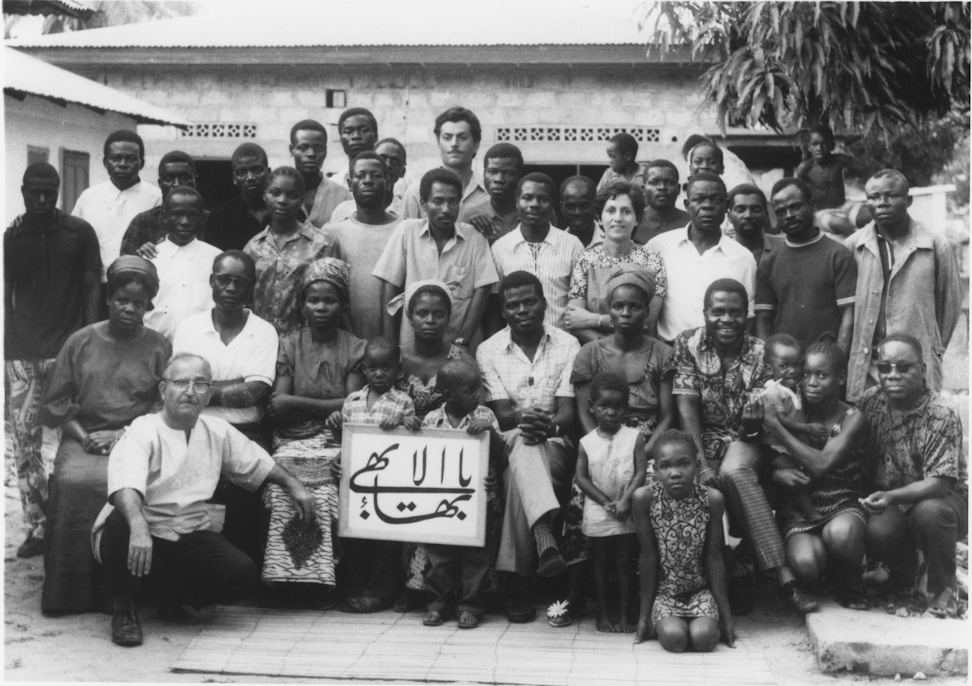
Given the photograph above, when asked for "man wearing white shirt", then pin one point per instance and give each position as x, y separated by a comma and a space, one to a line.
537, 247
184, 264
110, 206
698, 255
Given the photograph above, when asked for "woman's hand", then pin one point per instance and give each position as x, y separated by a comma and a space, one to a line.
790, 478
578, 318
728, 631
278, 404
334, 421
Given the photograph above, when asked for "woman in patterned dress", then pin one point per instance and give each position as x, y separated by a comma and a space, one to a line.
834, 468
317, 367
621, 206
684, 594
645, 362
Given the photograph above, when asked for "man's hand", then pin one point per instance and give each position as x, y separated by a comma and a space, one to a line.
877, 502
148, 251
334, 421
101, 442
790, 478
140, 550
728, 631
483, 225
535, 425
303, 501
478, 426
753, 414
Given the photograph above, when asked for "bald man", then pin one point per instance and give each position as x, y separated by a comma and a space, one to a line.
52, 270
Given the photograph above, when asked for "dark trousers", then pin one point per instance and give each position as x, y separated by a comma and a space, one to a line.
933, 526
371, 569
455, 577
200, 568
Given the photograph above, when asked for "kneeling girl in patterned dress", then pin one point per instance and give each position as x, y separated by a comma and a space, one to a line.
684, 596
611, 464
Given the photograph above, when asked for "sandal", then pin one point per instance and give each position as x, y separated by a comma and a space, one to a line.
799, 602
467, 620
433, 618
559, 615
944, 604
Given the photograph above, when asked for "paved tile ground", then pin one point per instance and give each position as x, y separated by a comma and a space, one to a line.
245, 640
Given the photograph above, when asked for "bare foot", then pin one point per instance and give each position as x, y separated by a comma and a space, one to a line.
604, 623
626, 627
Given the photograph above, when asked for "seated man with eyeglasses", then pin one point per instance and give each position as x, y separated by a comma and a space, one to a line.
156, 523
919, 498
241, 349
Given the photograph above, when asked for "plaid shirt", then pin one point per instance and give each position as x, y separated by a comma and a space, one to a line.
509, 375
393, 404
279, 270
437, 419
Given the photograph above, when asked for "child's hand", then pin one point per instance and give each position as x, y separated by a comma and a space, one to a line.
389, 423
818, 431
645, 630
334, 421
490, 480
728, 631
412, 423
622, 509
478, 426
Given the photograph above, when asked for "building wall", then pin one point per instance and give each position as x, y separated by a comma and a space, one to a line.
406, 99
42, 123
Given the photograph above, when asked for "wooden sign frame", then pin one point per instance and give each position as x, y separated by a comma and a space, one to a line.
434, 490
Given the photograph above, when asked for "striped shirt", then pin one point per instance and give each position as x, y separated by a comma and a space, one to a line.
551, 260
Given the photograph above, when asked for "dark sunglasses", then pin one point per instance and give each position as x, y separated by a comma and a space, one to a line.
900, 367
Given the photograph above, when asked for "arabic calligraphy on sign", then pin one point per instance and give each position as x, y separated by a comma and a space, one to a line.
424, 487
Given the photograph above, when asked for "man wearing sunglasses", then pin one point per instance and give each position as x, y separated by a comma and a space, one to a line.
907, 281
241, 349
919, 496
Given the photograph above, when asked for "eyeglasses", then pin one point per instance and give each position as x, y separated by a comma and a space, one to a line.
183, 385
225, 280
900, 367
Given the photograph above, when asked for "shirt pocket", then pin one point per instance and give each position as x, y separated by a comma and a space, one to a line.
459, 278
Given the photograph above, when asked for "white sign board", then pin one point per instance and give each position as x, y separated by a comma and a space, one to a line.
422, 487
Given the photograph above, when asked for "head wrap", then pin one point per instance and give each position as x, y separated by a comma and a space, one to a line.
402, 301
133, 264
330, 269
628, 274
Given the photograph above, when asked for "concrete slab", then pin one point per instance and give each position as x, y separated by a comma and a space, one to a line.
884, 645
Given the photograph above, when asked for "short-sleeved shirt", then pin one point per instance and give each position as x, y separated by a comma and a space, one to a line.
361, 246
231, 225
251, 356
500, 224
110, 211
275, 296
328, 196
149, 227
722, 393
508, 374
465, 264
689, 275
594, 267
643, 389
551, 261
177, 476
805, 286
319, 370
925, 442
184, 288
348, 208
473, 195
438, 419
393, 404
610, 176
46, 269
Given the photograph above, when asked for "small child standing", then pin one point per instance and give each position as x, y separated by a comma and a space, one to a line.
622, 150
372, 569
785, 360
611, 464
684, 595
457, 572
836, 216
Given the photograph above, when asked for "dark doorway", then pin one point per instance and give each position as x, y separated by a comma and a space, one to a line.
215, 181
560, 172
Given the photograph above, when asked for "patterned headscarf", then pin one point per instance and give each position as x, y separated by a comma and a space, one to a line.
632, 275
402, 300
330, 269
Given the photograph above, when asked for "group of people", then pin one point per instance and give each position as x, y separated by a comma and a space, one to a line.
641, 372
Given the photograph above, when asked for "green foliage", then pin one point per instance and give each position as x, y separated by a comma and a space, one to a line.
884, 67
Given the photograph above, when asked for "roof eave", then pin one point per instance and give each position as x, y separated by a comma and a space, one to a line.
21, 95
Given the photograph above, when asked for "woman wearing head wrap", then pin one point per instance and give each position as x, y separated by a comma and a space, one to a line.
621, 206
317, 367
106, 375
646, 363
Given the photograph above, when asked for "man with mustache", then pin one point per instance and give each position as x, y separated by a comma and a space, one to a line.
232, 224
806, 287
908, 282
697, 255
718, 366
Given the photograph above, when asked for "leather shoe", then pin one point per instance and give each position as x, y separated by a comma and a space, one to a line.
520, 612
125, 628
551, 563
31, 547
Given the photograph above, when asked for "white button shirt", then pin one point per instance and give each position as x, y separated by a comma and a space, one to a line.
690, 273
251, 356
110, 211
184, 288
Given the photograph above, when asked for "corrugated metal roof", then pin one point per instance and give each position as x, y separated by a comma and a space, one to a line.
26, 74
70, 8
377, 23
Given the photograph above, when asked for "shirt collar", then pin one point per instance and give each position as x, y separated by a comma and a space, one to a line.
520, 239
706, 344
460, 229
510, 344
918, 235
724, 240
